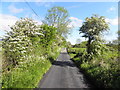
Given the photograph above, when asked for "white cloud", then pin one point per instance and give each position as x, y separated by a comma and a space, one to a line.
13, 9
6, 20
75, 22
45, 4
111, 9
110, 37
113, 21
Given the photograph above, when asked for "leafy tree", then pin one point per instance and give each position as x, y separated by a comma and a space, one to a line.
92, 29
69, 44
59, 18
49, 36
62, 41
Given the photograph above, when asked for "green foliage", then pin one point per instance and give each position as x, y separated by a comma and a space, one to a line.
28, 49
58, 17
92, 29
83, 44
68, 44
100, 62
97, 49
49, 36
26, 77
72, 55
76, 50
104, 74
103, 70
18, 41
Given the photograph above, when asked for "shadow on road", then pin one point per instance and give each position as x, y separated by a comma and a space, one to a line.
63, 63
63, 53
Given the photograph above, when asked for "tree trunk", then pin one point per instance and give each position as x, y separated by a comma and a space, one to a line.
88, 45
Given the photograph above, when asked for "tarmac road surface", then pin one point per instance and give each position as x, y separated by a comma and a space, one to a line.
64, 74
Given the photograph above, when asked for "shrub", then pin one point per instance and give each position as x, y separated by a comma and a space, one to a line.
103, 70
27, 53
18, 42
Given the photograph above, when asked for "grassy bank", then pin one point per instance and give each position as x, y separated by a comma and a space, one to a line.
29, 50
103, 71
26, 76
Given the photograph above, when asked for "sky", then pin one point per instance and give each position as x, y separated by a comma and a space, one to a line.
12, 11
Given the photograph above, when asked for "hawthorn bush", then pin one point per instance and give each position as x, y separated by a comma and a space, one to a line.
18, 42
27, 48
98, 61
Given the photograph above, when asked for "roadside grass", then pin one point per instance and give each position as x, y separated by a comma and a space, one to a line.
79, 50
104, 75
76, 50
26, 77
72, 55
103, 71
29, 74
28, 50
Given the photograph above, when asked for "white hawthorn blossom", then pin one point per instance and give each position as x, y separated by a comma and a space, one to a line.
17, 43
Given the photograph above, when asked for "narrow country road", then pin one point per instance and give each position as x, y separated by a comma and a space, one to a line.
63, 74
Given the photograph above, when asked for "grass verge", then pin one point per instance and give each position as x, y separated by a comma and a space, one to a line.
27, 75
103, 71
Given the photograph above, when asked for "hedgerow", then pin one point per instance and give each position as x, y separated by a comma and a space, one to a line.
27, 48
102, 70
